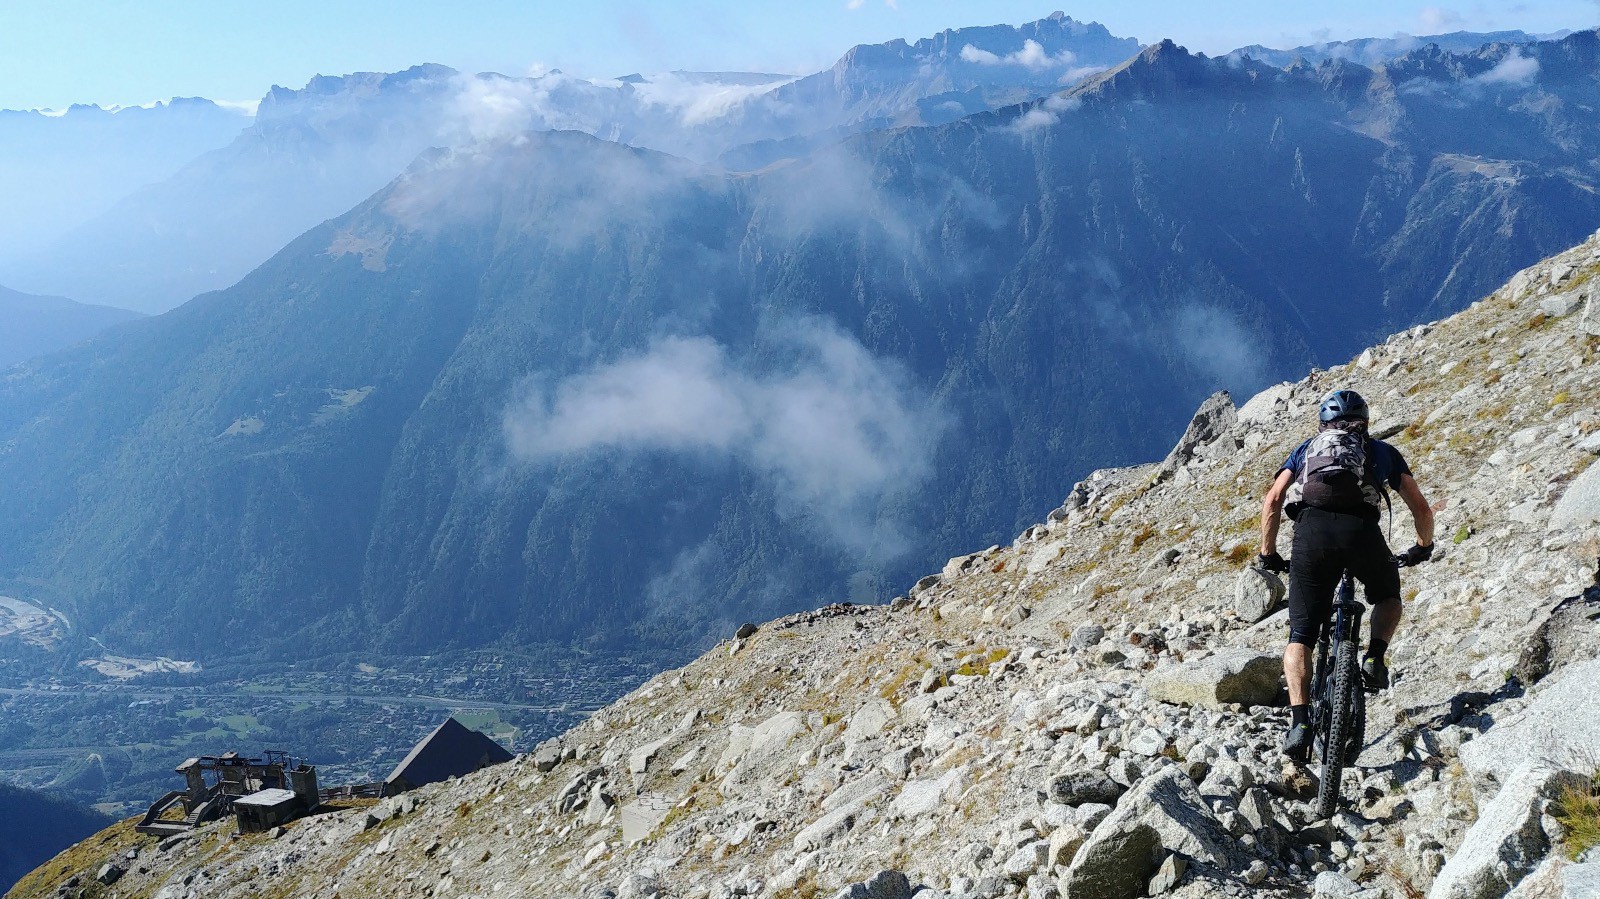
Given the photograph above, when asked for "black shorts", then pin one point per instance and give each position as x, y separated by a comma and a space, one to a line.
1326, 544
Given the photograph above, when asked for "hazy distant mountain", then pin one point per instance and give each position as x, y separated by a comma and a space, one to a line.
1370, 51
62, 169
313, 153
554, 388
39, 825
32, 326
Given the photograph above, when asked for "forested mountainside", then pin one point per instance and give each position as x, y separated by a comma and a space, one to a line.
32, 326
557, 389
39, 825
313, 153
1091, 710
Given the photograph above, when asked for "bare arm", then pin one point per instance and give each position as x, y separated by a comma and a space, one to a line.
1272, 511
1421, 512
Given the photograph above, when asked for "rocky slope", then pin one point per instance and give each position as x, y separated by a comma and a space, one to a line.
1088, 711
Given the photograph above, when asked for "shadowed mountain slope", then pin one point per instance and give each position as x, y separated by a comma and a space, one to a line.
556, 389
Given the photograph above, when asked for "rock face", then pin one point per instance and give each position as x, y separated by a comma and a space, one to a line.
977, 752
1162, 815
1507, 841
1579, 506
1228, 676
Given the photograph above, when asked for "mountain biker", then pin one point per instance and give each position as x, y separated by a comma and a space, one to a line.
1337, 517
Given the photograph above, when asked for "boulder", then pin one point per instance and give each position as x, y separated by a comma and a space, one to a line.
745, 631
1579, 506
1580, 881
1168, 875
1086, 636
110, 873
1562, 303
922, 797
1590, 322
1215, 417
1027, 861
882, 885
1257, 594
869, 720
1558, 726
1163, 814
1506, 842
547, 756
1232, 675
1085, 786
1333, 885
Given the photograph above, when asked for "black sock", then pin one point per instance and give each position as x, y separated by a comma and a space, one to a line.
1299, 714
1377, 649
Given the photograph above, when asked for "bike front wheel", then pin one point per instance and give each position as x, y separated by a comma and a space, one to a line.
1341, 727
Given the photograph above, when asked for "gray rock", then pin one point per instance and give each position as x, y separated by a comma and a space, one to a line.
110, 873
1026, 861
1162, 814
1561, 304
1040, 886
1256, 809
1257, 594
745, 631
1124, 771
1080, 787
547, 756
638, 886
1580, 881
1231, 675
882, 885
1558, 726
1579, 506
1506, 842
1590, 322
1332, 885
1086, 636
1215, 417
869, 720
1168, 875
1064, 843
1147, 742
1256, 873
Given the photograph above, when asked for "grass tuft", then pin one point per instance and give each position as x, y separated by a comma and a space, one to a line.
1579, 813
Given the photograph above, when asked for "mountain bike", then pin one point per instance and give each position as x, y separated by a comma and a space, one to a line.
1338, 695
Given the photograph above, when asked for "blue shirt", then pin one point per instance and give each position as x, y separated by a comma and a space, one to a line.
1384, 462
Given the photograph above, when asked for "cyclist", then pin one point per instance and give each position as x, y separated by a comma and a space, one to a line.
1334, 484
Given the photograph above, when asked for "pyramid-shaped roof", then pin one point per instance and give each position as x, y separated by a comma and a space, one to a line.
451, 750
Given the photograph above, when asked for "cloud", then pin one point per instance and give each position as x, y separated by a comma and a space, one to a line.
1214, 341
1032, 56
696, 101
1044, 114
1436, 19
855, 4
1515, 70
834, 428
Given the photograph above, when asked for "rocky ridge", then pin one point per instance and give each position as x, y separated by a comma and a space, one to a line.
1087, 712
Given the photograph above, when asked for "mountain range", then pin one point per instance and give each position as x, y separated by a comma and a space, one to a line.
32, 326
550, 388
312, 154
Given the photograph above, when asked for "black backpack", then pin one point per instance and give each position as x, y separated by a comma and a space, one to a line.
1337, 474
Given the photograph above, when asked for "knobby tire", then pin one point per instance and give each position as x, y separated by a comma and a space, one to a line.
1341, 725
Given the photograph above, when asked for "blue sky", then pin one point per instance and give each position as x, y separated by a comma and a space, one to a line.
56, 52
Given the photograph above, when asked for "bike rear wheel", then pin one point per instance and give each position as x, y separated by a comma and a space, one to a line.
1341, 727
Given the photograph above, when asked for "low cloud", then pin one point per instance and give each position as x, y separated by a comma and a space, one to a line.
835, 429
1032, 56
1045, 114
1515, 70
1216, 343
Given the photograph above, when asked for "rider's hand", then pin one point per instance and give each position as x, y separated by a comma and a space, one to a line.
1272, 562
1416, 555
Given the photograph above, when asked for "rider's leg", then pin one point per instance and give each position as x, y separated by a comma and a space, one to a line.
1297, 673
1386, 620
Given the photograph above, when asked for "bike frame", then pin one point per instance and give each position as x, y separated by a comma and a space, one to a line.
1344, 626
